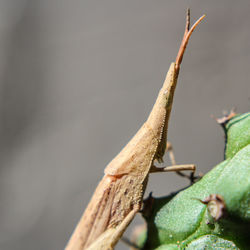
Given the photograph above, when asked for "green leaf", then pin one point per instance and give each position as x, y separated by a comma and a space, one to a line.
237, 134
203, 243
210, 242
182, 221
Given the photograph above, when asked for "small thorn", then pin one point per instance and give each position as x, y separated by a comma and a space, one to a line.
216, 206
227, 116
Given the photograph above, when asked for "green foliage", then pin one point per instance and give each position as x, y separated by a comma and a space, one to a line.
204, 242
182, 221
238, 134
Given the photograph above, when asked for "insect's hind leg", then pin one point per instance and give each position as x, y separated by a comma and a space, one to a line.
122, 227
109, 238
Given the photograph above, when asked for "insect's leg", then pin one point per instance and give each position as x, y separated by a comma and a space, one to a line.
122, 227
177, 169
173, 168
191, 177
109, 238
169, 149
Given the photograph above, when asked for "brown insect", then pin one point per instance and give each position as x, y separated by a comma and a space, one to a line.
119, 195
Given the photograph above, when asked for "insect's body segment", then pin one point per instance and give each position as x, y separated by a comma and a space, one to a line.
111, 203
149, 143
119, 195
159, 116
123, 185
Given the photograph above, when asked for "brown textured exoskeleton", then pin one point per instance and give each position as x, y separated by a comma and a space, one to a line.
119, 195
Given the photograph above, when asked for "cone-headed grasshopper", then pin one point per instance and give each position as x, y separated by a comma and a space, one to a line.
118, 197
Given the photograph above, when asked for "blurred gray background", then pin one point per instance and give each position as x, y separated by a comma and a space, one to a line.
78, 78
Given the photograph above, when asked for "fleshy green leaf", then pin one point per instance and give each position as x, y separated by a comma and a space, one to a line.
237, 134
182, 221
210, 242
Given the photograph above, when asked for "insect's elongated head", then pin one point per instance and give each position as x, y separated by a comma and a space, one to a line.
160, 114
188, 32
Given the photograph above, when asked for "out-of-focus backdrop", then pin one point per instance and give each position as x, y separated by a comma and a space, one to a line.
78, 78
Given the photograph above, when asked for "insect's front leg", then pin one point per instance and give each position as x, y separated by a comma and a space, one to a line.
173, 168
170, 151
191, 177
